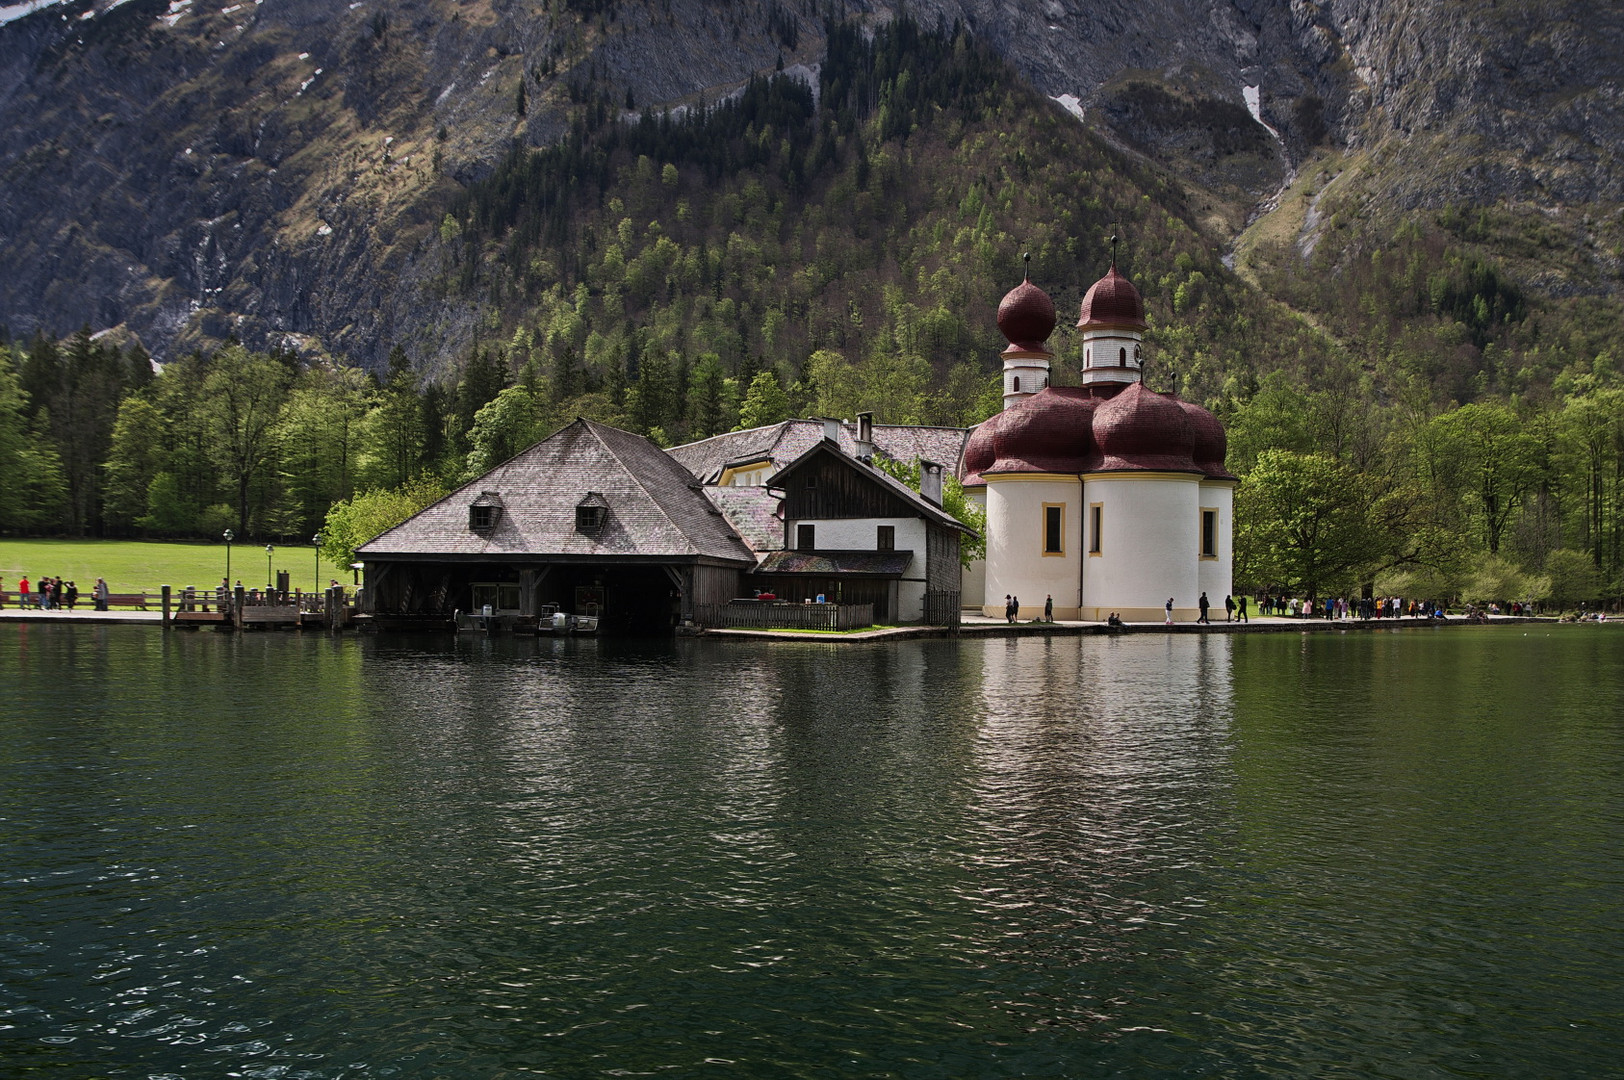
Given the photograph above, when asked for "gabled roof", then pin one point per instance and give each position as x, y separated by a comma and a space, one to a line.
917, 502
656, 508
753, 513
782, 443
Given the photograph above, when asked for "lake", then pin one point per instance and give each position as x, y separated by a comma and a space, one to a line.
1395, 854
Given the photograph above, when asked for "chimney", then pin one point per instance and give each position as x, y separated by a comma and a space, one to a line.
865, 436
930, 482
831, 430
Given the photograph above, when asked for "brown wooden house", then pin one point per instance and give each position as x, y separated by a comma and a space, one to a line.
856, 535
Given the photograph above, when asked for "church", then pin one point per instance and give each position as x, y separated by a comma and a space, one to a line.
1106, 497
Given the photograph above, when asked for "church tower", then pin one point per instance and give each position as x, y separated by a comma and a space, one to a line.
1026, 317
1113, 325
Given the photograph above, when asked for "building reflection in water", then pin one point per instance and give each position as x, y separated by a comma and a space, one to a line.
1102, 777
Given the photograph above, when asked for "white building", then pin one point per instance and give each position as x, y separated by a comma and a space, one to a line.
1106, 497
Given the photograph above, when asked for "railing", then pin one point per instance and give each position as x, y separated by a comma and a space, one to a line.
942, 609
775, 615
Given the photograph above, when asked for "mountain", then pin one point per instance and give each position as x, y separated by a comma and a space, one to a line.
287, 172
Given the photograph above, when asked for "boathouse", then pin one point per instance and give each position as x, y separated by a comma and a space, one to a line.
590, 521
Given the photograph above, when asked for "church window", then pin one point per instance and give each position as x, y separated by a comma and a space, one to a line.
1122, 358
1054, 528
1088, 357
1209, 533
1096, 518
1017, 384
1138, 356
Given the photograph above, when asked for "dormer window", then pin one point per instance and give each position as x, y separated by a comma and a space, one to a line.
484, 512
590, 513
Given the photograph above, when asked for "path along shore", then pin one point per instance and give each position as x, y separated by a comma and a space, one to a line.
971, 626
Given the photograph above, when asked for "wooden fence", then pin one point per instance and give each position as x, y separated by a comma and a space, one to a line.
942, 609
773, 615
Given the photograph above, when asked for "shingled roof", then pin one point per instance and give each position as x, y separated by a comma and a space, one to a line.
753, 513
655, 507
782, 443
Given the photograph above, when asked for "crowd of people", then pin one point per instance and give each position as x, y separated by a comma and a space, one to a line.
55, 594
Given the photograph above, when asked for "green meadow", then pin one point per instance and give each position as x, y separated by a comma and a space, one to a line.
146, 566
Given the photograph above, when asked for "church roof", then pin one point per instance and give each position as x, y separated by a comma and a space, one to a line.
655, 508
1026, 318
1112, 301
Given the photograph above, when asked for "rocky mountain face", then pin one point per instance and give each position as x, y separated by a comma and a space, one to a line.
277, 170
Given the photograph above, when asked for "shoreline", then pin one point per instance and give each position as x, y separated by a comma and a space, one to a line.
971, 626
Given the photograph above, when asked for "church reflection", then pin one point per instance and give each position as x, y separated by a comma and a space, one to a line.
1102, 769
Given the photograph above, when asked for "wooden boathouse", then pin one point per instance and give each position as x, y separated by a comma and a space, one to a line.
591, 521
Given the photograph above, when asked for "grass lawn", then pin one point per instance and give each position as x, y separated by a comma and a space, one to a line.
146, 566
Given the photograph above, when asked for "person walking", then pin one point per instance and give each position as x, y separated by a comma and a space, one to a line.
1048, 609
1229, 609
1169, 609
1009, 608
71, 594
1202, 604
1241, 608
101, 592
22, 592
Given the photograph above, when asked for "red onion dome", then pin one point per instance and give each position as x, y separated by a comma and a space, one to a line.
1211, 444
979, 453
1112, 301
1045, 433
1140, 429
1026, 317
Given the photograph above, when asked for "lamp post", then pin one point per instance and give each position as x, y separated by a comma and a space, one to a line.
317, 541
270, 582
230, 536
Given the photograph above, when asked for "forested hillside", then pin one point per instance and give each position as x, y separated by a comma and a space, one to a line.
1405, 413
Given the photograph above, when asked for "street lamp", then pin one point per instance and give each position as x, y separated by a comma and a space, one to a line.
270, 582
317, 541
230, 536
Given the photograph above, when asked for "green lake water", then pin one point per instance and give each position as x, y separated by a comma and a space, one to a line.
1391, 854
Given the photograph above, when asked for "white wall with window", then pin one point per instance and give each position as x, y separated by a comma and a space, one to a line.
1150, 535
1217, 570
1026, 514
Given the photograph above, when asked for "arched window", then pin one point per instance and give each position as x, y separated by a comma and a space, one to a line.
1017, 384
1122, 358
1088, 358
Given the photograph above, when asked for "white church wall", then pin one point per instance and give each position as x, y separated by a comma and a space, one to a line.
1217, 572
1148, 551
973, 583
1016, 562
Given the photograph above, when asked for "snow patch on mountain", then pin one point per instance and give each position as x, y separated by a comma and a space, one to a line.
13, 12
